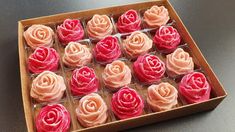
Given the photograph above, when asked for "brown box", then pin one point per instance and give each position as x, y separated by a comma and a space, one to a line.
217, 94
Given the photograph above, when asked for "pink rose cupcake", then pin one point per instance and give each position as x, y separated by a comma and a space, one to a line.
195, 88
156, 16
167, 39
149, 68
76, 55
136, 44
127, 103
162, 96
70, 30
84, 81
53, 118
116, 75
43, 59
179, 63
47, 87
107, 50
99, 27
129, 22
39, 36
92, 110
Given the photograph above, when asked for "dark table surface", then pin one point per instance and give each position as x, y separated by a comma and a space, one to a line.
210, 22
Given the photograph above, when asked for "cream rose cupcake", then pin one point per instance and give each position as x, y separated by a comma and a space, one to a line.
179, 63
116, 75
47, 87
76, 55
99, 27
136, 44
162, 96
91, 110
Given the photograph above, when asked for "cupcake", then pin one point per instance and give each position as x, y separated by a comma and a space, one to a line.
167, 39
127, 103
43, 59
116, 75
129, 22
107, 50
39, 36
179, 63
91, 110
136, 44
149, 69
156, 16
162, 96
53, 118
83, 81
70, 30
47, 87
76, 55
99, 27
195, 88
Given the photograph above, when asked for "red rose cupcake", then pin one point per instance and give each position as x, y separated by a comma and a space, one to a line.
195, 88
84, 81
107, 50
149, 68
43, 59
127, 103
53, 118
129, 22
167, 39
70, 30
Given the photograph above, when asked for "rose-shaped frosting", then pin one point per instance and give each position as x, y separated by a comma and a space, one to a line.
149, 68
129, 22
47, 87
156, 16
162, 96
42, 59
179, 62
84, 81
70, 30
39, 35
92, 110
127, 103
76, 54
167, 38
137, 43
99, 26
53, 118
194, 87
116, 75
107, 50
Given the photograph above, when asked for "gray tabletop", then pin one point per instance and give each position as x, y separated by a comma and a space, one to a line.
210, 22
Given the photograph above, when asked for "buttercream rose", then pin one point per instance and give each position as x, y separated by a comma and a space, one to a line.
99, 26
162, 96
149, 68
129, 22
195, 88
53, 118
127, 103
84, 81
92, 110
76, 55
47, 87
156, 16
70, 30
116, 74
136, 44
107, 50
38, 36
43, 59
167, 39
